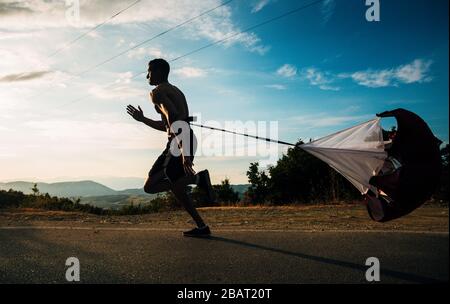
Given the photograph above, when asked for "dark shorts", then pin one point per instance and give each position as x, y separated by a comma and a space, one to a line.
170, 164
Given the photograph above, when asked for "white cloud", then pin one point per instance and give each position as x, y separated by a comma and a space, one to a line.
190, 72
260, 49
327, 9
8, 35
215, 29
414, 72
45, 14
124, 77
351, 109
25, 67
327, 120
87, 135
94, 34
287, 71
143, 52
120, 90
373, 79
120, 42
279, 87
259, 5
329, 88
320, 79
22, 59
23, 76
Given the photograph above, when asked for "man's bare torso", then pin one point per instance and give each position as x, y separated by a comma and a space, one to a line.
170, 102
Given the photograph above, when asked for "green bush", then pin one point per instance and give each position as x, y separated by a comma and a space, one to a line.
297, 177
17, 199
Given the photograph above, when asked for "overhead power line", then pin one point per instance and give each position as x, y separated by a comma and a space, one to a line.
142, 43
66, 45
152, 38
93, 29
267, 21
296, 10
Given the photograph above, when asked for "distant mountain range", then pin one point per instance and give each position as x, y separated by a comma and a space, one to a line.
68, 189
82, 189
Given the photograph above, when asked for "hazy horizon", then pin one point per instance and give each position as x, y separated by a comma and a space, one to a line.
115, 183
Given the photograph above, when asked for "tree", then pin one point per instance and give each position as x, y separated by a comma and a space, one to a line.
35, 190
444, 157
442, 193
259, 189
225, 193
298, 177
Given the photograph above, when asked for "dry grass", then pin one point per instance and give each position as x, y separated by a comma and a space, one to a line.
310, 218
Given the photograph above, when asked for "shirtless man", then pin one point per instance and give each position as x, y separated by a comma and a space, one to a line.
171, 172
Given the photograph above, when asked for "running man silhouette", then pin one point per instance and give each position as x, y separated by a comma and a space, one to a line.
171, 172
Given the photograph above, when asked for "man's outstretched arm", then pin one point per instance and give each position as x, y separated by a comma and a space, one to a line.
155, 124
138, 115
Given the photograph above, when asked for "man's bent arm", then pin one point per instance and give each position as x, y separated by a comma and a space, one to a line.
155, 124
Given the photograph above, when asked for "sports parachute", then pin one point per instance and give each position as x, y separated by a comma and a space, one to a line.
396, 171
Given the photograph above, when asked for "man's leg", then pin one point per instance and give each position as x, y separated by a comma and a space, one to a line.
203, 181
179, 190
157, 182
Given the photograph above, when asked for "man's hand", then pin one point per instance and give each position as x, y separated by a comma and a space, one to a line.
187, 165
137, 114
385, 114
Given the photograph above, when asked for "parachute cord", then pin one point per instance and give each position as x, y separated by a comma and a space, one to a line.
246, 135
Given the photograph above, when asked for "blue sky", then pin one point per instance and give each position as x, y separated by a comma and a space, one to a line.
315, 72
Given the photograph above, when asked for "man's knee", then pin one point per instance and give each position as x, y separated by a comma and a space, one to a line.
150, 187
156, 183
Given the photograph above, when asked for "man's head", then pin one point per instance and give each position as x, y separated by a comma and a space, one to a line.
158, 71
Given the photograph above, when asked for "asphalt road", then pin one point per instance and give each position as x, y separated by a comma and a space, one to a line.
164, 256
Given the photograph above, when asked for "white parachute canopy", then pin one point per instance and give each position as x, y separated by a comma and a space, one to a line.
357, 153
